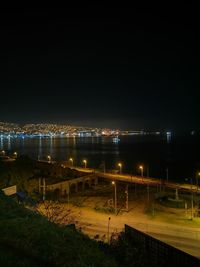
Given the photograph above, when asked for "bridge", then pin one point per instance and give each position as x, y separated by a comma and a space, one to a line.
133, 179
66, 187
92, 175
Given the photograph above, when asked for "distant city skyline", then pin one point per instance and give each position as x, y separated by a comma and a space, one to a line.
69, 130
48, 127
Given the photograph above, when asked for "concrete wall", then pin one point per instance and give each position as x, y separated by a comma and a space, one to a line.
76, 184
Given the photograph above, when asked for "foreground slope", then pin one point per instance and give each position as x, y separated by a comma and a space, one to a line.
28, 239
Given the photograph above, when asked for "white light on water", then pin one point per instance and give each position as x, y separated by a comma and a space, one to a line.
169, 136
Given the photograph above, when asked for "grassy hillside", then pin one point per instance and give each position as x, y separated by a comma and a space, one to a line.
28, 239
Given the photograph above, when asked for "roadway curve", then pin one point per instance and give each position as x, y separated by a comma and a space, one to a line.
141, 180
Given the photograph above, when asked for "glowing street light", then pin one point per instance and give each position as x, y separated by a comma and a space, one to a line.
72, 161
142, 169
49, 158
3, 152
120, 167
115, 185
15, 154
85, 163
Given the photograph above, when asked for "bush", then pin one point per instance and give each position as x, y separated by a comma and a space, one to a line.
104, 209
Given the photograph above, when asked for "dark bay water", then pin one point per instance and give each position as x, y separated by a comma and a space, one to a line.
181, 156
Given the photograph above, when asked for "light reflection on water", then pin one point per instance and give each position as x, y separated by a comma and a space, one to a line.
61, 148
131, 151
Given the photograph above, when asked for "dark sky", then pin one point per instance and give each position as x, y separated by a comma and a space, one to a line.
101, 66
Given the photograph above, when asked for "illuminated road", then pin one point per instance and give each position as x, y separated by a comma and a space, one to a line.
184, 238
141, 180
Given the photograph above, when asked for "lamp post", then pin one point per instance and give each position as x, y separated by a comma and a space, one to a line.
109, 230
85, 163
192, 200
126, 192
44, 189
148, 192
142, 171
197, 181
115, 185
72, 161
68, 197
3, 152
15, 154
49, 158
120, 167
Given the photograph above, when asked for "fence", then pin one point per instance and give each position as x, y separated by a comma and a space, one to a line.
158, 252
179, 232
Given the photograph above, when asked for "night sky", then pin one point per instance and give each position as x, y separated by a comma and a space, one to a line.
101, 66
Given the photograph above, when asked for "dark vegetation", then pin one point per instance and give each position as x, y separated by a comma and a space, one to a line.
28, 239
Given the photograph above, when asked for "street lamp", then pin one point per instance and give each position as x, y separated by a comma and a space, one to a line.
85, 163
126, 192
120, 167
15, 154
142, 169
3, 152
49, 158
197, 181
192, 198
109, 230
72, 161
115, 185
